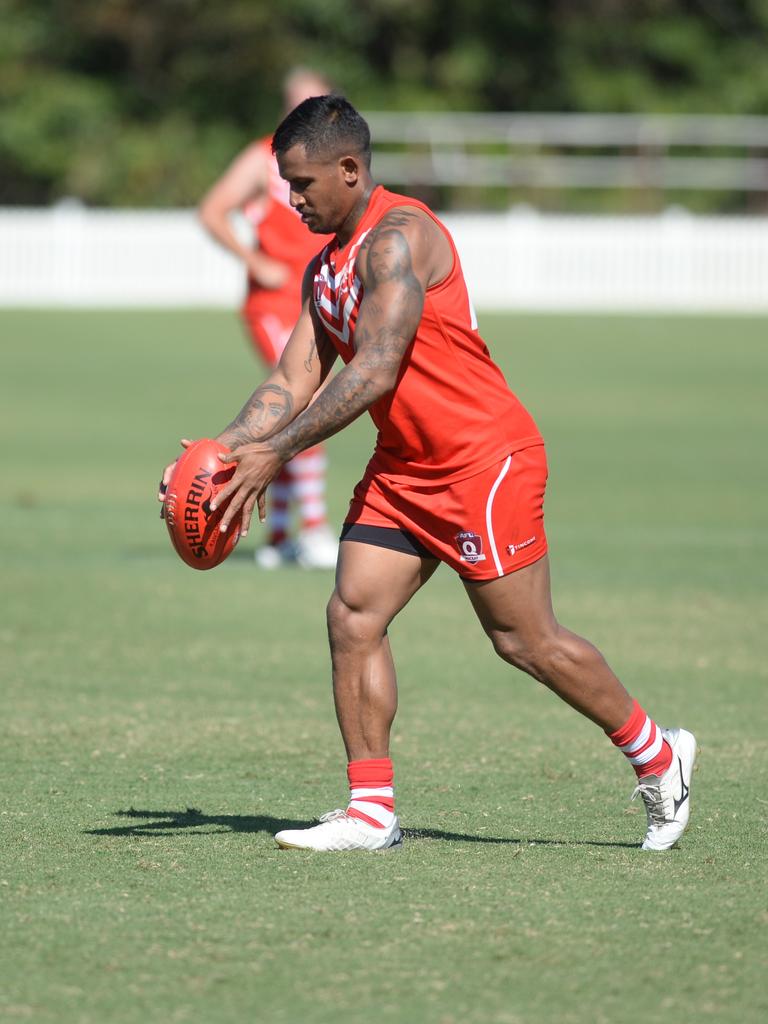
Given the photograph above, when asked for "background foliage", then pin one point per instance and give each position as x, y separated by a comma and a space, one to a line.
132, 102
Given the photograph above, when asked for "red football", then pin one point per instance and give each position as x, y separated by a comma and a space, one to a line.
197, 477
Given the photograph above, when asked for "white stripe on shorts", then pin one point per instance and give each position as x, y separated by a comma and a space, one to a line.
489, 514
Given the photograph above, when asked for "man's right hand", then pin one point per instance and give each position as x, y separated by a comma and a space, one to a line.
266, 272
185, 443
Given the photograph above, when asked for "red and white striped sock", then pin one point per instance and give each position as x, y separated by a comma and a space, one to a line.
279, 515
307, 475
371, 793
640, 741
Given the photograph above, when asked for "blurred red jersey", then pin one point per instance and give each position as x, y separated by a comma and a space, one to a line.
281, 233
451, 414
271, 313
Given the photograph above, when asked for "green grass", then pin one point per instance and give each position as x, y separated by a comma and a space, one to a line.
160, 724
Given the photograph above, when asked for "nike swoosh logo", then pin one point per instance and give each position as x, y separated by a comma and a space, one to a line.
684, 790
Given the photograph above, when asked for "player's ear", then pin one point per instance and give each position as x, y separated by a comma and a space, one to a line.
350, 170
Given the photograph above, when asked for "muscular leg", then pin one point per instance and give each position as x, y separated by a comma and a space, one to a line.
516, 613
372, 585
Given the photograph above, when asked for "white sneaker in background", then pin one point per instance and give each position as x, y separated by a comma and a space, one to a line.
317, 548
337, 832
273, 556
667, 797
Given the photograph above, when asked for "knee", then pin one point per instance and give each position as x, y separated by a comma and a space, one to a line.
537, 656
338, 616
350, 627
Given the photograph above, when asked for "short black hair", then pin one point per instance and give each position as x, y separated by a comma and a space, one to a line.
325, 126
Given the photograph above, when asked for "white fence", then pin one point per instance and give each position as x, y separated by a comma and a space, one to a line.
70, 256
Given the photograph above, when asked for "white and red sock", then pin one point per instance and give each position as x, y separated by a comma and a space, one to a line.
641, 742
371, 792
279, 510
306, 473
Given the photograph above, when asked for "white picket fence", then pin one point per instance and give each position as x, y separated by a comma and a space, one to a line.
71, 256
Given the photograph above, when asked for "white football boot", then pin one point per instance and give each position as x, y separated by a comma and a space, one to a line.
338, 832
667, 797
273, 556
317, 548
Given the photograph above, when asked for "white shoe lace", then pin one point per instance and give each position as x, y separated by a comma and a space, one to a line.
336, 815
653, 801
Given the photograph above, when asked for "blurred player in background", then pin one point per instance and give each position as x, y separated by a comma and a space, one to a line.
275, 264
458, 475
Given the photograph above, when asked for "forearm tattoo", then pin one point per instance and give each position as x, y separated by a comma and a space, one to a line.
312, 354
268, 409
348, 395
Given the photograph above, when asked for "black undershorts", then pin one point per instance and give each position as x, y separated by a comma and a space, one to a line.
386, 537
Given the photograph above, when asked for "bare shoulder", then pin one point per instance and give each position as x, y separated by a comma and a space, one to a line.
254, 160
245, 180
407, 234
411, 221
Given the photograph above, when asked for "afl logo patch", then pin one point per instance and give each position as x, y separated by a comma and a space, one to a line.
470, 546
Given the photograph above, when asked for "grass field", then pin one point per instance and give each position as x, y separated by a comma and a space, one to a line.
160, 724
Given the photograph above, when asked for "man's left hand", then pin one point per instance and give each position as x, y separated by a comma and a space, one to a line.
257, 465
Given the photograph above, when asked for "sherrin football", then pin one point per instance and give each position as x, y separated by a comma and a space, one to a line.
197, 478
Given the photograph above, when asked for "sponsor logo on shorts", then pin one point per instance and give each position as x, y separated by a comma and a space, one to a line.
470, 546
512, 548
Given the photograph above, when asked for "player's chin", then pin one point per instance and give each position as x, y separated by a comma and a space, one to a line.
313, 223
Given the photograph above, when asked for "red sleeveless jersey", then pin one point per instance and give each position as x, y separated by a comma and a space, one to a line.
451, 414
281, 233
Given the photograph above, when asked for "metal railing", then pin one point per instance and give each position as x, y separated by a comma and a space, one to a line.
572, 151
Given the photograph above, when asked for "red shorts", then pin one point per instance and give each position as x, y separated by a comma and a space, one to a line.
484, 527
270, 317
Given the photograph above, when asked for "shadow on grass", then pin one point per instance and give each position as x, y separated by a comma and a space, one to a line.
459, 837
169, 823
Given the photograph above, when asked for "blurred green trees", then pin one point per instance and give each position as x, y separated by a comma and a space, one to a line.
142, 102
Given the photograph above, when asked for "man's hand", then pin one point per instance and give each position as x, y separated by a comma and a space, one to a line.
257, 465
266, 272
165, 478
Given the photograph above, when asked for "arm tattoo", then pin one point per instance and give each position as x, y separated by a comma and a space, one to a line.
388, 320
312, 353
268, 408
348, 395
395, 218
